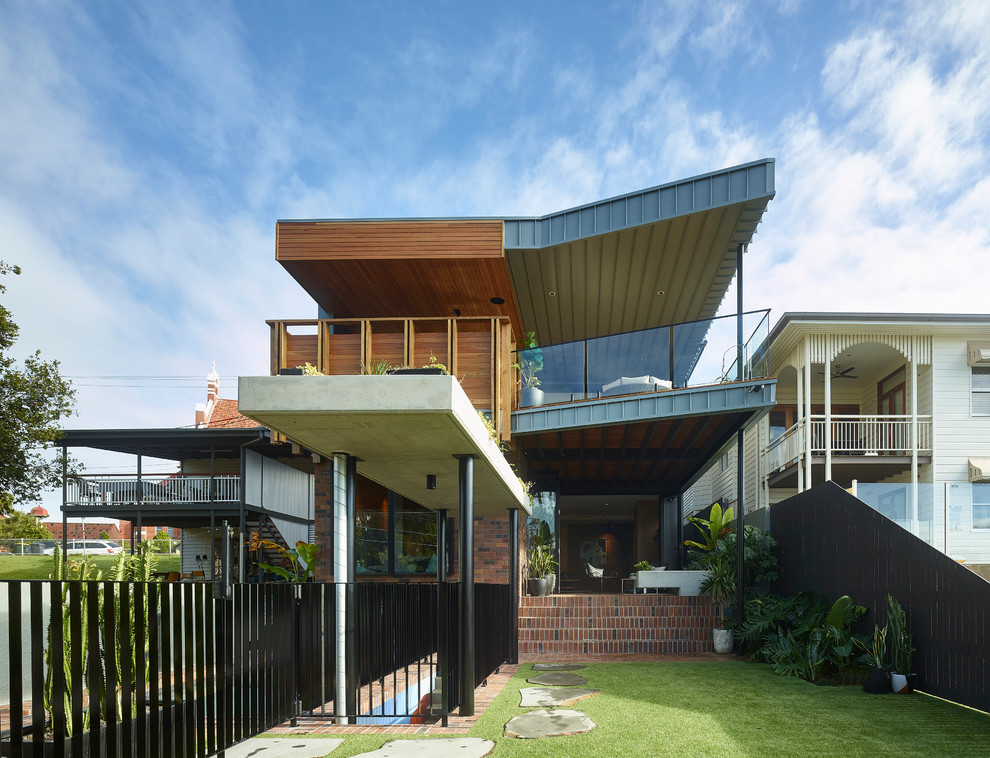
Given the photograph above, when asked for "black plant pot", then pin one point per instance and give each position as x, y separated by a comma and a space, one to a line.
539, 587
877, 681
416, 372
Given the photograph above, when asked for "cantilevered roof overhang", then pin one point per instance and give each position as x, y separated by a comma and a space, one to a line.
657, 256
400, 428
663, 255
169, 443
644, 444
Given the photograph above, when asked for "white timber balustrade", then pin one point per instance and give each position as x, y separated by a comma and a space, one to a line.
164, 490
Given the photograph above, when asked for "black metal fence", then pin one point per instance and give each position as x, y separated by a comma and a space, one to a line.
833, 544
129, 669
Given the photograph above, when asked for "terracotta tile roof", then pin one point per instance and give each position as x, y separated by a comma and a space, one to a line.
225, 416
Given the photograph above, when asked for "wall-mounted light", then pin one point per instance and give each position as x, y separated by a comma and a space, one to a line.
551, 293
497, 300
659, 292
431, 481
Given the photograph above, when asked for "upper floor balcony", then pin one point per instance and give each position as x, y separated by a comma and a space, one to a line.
859, 445
113, 490
677, 356
477, 351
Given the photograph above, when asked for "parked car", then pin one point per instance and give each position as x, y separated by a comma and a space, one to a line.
93, 547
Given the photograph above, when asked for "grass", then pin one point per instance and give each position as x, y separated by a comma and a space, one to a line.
40, 566
731, 709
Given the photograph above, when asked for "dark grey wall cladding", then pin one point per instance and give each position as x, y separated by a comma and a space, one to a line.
700, 193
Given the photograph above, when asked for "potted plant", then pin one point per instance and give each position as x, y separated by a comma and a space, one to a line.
877, 678
720, 585
530, 364
542, 566
641, 566
901, 679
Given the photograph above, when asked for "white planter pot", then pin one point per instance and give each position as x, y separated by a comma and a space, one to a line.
722, 638
899, 683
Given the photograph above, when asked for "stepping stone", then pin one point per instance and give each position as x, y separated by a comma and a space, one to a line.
558, 679
462, 747
536, 724
541, 697
558, 666
283, 747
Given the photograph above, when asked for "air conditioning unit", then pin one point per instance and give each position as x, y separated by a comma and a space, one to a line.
979, 353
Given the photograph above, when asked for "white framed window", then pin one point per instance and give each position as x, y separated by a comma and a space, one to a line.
724, 465
981, 391
981, 505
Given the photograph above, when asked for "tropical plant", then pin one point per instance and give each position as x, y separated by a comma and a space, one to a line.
530, 360
434, 363
838, 622
717, 525
901, 649
309, 369
642, 566
541, 562
301, 560
759, 558
874, 653
720, 584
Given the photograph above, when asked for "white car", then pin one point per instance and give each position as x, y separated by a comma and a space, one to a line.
93, 547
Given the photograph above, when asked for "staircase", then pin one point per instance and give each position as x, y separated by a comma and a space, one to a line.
263, 525
615, 625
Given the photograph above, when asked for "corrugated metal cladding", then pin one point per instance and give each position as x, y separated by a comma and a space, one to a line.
726, 187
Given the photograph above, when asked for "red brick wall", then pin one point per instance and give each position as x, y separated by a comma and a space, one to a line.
491, 549
323, 515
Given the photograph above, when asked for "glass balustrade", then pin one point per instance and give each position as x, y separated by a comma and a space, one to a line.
690, 354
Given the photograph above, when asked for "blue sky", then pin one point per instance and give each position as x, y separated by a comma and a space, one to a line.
147, 150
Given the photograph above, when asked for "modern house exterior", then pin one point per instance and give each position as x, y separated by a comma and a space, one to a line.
636, 374
894, 407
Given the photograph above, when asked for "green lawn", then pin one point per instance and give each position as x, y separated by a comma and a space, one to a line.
40, 566
732, 709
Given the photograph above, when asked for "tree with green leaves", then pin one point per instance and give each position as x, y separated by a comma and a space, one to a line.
24, 526
34, 398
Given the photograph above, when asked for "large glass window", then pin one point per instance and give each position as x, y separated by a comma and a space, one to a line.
981, 391
415, 540
371, 537
981, 506
395, 536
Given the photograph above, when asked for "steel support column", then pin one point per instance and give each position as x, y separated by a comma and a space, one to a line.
514, 584
740, 445
465, 501
350, 628
443, 643
65, 500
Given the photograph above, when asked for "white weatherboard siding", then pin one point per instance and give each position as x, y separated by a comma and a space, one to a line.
196, 542
958, 437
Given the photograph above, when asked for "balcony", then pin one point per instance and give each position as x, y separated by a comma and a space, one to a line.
861, 445
678, 356
477, 351
113, 491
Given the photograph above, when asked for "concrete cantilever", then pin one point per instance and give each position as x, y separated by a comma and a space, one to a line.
401, 428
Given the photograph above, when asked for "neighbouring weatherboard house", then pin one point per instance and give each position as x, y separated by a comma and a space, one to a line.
894, 407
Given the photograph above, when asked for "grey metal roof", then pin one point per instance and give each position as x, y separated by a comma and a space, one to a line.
876, 318
728, 186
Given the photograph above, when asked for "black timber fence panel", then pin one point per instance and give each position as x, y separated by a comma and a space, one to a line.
834, 544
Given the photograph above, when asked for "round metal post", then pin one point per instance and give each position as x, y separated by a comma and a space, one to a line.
465, 484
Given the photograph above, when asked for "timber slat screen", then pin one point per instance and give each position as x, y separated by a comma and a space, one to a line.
833, 544
169, 669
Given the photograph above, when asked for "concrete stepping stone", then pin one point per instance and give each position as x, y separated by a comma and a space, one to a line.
447, 747
541, 697
284, 747
544, 723
558, 679
558, 666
